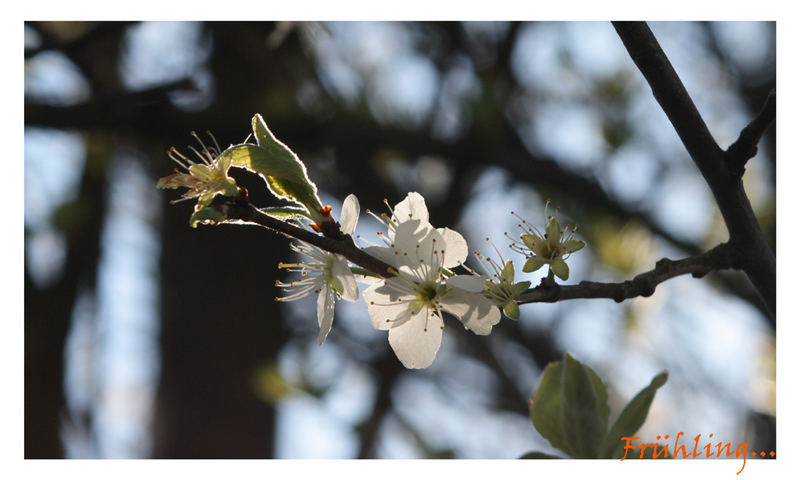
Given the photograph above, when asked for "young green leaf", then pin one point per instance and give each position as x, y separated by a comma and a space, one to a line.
631, 419
582, 421
281, 169
286, 212
206, 215
545, 407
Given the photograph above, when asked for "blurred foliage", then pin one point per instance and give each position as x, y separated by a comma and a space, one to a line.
570, 409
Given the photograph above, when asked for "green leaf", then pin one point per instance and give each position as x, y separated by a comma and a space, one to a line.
602, 394
631, 419
539, 456
533, 264
560, 268
545, 407
582, 421
286, 212
206, 215
511, 309
281, 169
257, 159
281, 156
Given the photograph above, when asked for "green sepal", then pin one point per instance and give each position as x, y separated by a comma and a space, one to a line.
533, 264
630, 419
553, 231
206, 215
560, 268
521, 287
507, 274
584, 416
571, 246
530, 241
511, 309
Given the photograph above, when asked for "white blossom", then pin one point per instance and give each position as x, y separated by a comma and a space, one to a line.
325, 273
410, 305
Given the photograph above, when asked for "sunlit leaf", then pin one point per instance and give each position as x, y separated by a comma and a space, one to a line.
206, 215
281, 169
286, 212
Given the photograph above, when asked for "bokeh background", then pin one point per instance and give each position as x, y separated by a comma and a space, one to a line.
145, 338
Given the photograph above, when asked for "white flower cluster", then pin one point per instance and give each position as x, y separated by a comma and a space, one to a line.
410, 304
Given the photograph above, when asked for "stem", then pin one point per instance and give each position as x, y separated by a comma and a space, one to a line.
642, 285
238, 209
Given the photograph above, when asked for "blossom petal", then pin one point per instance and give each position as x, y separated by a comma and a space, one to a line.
344, 279
415, 241
350, 211
456, 249
385, 254
412, 207
325, 303
385, 309
417, 341
470, 283
475, 311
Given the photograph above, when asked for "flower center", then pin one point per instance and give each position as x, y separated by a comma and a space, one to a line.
426, 293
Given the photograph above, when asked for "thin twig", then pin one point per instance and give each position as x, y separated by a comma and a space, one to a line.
746, 146
235, 209
642, 285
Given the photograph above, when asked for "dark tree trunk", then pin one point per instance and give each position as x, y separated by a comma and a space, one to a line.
219, 324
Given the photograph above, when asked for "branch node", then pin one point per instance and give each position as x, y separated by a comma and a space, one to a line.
746, 146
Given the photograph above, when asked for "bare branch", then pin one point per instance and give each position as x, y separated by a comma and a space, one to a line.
749, 246
236, 209
746, 146
642, 285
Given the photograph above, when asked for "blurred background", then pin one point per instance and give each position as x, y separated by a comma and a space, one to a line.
145, 338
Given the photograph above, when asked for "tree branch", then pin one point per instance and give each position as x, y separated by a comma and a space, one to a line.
749, 248
746, 146
237, 209
642, 285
